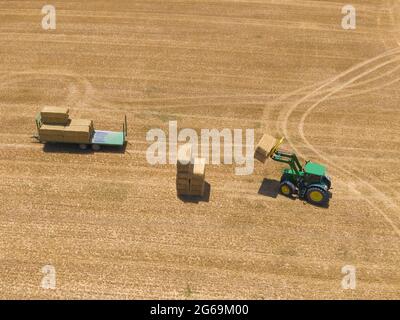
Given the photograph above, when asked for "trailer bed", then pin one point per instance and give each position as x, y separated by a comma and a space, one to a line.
96, 139
108, 138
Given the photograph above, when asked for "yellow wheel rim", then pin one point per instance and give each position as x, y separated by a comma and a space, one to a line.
316, 196
285, 190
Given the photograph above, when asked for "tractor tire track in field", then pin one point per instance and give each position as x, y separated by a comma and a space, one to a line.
320, 88
389, 203
80, 91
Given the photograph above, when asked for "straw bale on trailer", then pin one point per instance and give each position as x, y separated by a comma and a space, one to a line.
77, 134
55, 115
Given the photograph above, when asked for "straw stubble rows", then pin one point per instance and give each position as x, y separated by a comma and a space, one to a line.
113, 226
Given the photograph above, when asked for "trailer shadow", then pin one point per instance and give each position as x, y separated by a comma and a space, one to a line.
193, 199
74, 149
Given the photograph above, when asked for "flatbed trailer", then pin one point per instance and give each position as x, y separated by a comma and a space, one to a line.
98, 139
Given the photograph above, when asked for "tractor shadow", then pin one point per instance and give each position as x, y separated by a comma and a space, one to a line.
74, 149
193, 199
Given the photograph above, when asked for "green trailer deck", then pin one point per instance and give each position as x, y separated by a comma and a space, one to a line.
108, 138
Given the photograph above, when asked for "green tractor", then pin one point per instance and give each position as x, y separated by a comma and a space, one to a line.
309, 182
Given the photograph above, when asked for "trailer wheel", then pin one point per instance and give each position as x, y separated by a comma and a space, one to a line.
287, 188
317, 196
96, 147
83, 146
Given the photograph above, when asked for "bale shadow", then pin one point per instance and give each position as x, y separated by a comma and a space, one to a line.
55, 147
269, 188
194, 199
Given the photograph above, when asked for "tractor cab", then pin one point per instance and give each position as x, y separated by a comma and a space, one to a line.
315, 173
314, 169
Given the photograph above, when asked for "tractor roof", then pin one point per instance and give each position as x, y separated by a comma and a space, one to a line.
315, 169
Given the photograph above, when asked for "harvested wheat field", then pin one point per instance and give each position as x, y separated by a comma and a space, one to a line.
112, 225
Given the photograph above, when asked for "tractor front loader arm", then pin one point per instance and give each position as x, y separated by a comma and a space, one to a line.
289, 158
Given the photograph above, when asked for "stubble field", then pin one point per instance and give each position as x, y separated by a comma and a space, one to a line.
112, 225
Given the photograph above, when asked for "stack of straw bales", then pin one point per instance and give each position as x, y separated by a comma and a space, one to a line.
190, 177
58, 127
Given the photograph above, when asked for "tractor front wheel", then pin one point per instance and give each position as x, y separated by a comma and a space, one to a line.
287, 188
317, 196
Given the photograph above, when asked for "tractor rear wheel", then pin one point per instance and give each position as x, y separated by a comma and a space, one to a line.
96, 147
317, 196
287, 188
